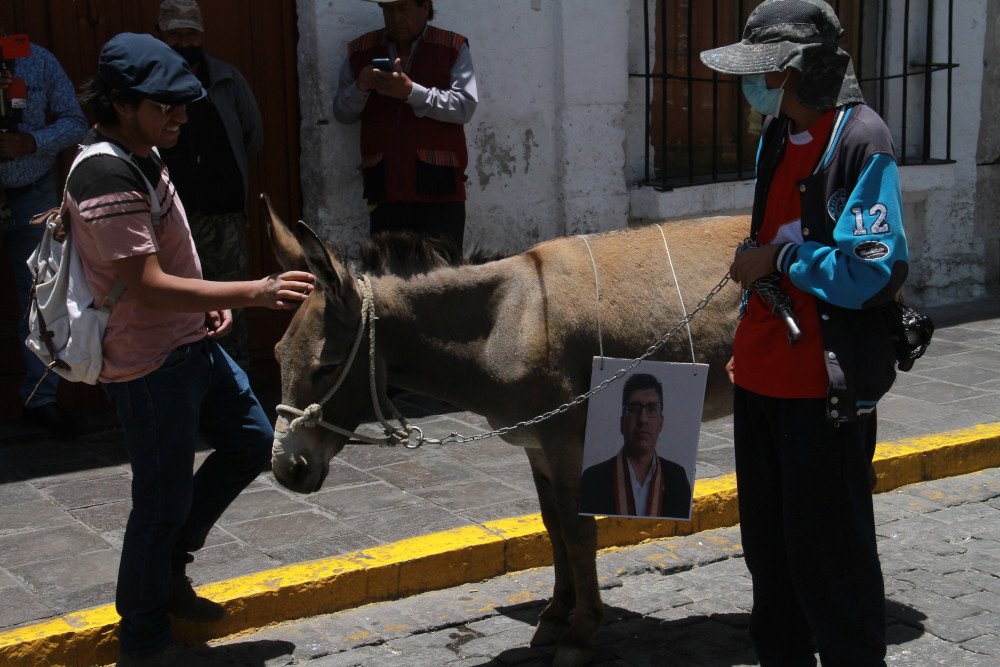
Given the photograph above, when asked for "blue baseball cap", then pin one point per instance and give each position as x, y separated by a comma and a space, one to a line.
147, 67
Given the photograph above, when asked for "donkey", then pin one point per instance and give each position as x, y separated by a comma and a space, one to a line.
509, 339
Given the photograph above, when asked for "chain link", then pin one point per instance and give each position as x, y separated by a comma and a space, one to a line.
456, 438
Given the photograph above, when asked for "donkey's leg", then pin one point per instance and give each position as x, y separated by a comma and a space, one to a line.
579, 543
554, 619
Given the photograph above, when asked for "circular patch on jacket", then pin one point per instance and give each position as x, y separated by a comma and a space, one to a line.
871, 250
835, 204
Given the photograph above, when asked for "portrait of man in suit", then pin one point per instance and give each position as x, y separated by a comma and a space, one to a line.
637, 480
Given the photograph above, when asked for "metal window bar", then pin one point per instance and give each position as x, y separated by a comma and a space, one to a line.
693, 166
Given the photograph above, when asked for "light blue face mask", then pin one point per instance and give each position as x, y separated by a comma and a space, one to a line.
765, 100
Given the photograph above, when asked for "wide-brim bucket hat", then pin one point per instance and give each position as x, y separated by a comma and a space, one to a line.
803, 34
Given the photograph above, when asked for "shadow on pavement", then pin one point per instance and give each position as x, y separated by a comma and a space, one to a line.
258, 653
716, 640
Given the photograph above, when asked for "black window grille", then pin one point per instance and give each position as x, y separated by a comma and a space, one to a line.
699, 129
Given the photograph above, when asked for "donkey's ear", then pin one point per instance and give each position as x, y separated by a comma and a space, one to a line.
329, 272
287, 248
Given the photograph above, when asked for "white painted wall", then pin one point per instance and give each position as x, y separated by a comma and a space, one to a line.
557, 143
546, 145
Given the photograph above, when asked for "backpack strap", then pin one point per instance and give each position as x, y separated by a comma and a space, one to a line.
155, 210
109, 148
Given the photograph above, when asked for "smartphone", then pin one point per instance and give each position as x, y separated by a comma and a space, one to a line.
383, 64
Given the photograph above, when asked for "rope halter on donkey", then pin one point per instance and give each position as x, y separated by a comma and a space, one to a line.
313, 414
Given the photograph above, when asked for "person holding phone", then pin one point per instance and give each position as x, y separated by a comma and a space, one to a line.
413, 88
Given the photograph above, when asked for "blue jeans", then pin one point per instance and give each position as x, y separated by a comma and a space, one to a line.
199, 389
21, 240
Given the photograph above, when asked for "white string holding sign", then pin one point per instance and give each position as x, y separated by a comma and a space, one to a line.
597, 288
694, 363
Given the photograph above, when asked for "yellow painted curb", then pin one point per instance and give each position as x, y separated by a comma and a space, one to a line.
453, 557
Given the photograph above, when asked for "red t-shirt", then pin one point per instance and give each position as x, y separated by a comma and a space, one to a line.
764, 363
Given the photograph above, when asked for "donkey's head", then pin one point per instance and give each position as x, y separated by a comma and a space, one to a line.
312, 355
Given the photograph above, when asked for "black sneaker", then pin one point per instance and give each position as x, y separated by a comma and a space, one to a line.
190, 606
52, 417
175, 655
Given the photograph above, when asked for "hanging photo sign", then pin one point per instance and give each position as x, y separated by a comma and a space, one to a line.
641, 443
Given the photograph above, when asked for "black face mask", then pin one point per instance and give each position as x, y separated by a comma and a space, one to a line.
192, 54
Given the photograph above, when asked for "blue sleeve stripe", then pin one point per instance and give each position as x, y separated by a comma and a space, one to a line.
868, 242
836, 137
784, 257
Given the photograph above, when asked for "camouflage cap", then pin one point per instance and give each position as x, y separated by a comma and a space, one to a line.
802, 34
177, 14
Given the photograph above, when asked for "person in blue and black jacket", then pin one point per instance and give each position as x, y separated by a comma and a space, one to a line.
827, 217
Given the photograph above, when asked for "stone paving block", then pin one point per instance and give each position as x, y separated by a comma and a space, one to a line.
277, 532
943, 348
362, 500
963, 374
930, 650
58, 585
505, 510
890, 429
358, 658
986, 405
944, 618
939, 392
85, 493
15, 492
421, 519
42, 513
21, 606
983, 357
895, 506
905, 410
719, 460
227, 560
974, 487
986, 645
985, 600
105, 517
326, 547
984, 581
261, 504
706, 470
366, 457
497, 643
950, 587
343, 474
426, 473
85, 470
961, 334
963, 417
466, 495
48, 544
644, 601
490, 456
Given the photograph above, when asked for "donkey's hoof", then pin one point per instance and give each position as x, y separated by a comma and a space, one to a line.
547, 632
572, 656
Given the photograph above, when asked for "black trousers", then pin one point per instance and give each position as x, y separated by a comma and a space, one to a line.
441, 219
808, 533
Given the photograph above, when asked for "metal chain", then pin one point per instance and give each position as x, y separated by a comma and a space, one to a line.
652, 349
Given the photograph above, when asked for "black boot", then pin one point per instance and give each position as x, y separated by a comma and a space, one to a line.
189, 605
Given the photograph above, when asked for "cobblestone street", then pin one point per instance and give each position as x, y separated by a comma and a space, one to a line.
685, 601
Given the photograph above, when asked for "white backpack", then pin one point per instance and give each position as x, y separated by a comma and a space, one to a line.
66, 327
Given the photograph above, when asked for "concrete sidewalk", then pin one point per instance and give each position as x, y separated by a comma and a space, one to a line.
63, 505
